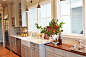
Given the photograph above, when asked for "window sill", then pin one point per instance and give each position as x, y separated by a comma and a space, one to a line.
74, 36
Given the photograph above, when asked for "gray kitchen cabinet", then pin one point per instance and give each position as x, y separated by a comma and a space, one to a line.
25, 51
53, 52
23, 8
69, 54
13, 44
34, 52
15, 15
37, 50
49, 54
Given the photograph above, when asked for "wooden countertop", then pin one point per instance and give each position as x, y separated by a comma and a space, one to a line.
65, 47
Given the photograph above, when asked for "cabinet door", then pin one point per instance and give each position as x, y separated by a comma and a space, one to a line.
69, 54
18, 41
11, 44
36, 53
14, 43
27, 51
13, 11
23, 51
23, 8
33, 52
49, 54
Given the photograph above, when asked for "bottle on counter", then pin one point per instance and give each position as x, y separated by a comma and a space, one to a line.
60, 40
32, 35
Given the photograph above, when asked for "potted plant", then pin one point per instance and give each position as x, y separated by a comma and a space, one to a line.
53, 29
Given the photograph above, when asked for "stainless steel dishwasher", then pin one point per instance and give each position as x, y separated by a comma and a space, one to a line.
18, 43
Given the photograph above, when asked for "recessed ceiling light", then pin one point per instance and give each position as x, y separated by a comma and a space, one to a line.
4, 0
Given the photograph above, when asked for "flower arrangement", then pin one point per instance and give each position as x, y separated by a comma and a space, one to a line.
53, 28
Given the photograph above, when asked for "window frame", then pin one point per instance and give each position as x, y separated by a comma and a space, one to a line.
38, 13
32, 19
72, 35
46, 12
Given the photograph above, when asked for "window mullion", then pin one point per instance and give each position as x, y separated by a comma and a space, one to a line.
84, 21
70, 18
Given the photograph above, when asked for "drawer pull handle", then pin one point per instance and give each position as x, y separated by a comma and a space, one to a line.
34, 48
34, 45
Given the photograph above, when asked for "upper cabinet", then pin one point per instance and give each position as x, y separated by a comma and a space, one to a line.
15, 17
13, 11
23, 8
19, 14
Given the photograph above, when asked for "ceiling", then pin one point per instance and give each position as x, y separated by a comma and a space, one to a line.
2, 2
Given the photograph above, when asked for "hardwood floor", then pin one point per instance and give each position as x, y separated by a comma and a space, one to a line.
6, 53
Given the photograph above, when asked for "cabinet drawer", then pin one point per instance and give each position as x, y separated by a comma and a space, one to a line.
69, 54
50, 49
55, 51
34, 45
59, 52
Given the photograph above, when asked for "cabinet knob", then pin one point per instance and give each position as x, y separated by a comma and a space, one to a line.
34, 45
53, 50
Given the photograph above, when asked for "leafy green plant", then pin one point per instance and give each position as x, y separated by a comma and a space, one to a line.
52, 23
38, 27
44, 30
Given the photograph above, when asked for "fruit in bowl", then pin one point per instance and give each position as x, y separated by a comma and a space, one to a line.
55, 42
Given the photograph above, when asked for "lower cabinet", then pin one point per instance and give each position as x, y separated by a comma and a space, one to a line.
54, 52
25, 51
69, 54
13, 44
34, 52
49, 54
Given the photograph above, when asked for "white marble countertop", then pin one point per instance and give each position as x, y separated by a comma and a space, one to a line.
31, 39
